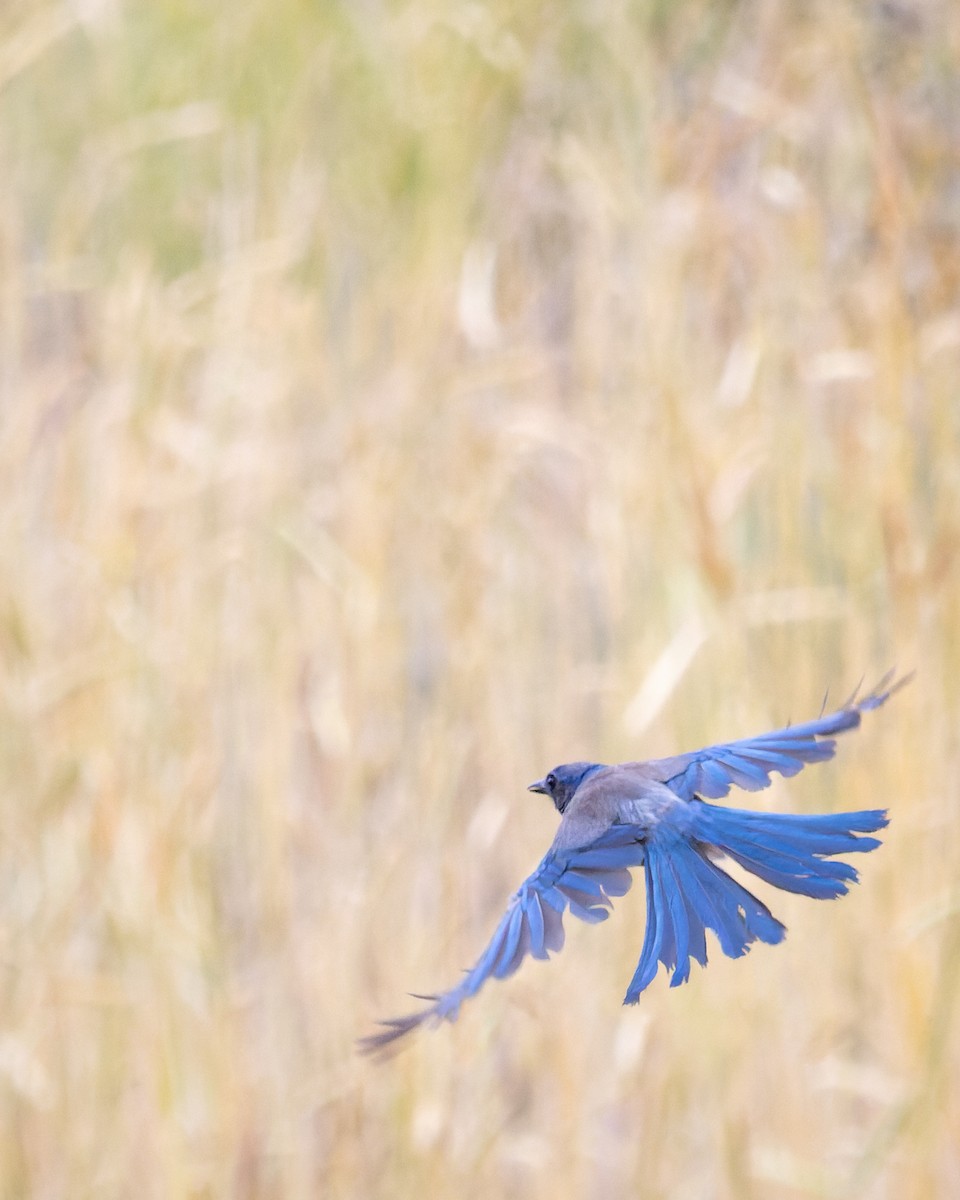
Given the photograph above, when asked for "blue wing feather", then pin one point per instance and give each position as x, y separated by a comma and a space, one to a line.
581, 880
749, 763
535, 926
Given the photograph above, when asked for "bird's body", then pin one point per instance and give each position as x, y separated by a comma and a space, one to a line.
655, 815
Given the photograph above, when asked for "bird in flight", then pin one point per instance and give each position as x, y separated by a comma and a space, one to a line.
655, 815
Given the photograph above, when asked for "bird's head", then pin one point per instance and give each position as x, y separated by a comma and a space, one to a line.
562, 782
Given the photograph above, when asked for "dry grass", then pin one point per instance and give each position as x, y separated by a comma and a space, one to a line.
396, 400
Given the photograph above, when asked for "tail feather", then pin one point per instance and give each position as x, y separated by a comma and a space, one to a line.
687, 893
739, 918
825, 885
691, 939
790, 851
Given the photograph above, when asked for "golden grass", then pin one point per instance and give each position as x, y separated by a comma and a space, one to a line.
397, 400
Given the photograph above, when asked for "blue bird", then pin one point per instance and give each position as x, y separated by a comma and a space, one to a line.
655, 815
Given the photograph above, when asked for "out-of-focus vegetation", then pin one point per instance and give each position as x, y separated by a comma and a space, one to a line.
397, 399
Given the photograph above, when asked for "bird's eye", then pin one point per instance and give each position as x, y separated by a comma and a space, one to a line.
551, 781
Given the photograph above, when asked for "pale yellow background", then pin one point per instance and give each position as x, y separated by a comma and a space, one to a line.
397, 399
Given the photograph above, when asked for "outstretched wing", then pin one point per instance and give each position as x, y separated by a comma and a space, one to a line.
749, 763
583, 880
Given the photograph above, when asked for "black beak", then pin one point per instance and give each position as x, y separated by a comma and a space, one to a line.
539, 786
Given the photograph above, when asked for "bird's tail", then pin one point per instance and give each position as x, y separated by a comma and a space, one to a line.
687, 893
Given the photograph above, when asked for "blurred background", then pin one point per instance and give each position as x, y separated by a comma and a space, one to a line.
397, 399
